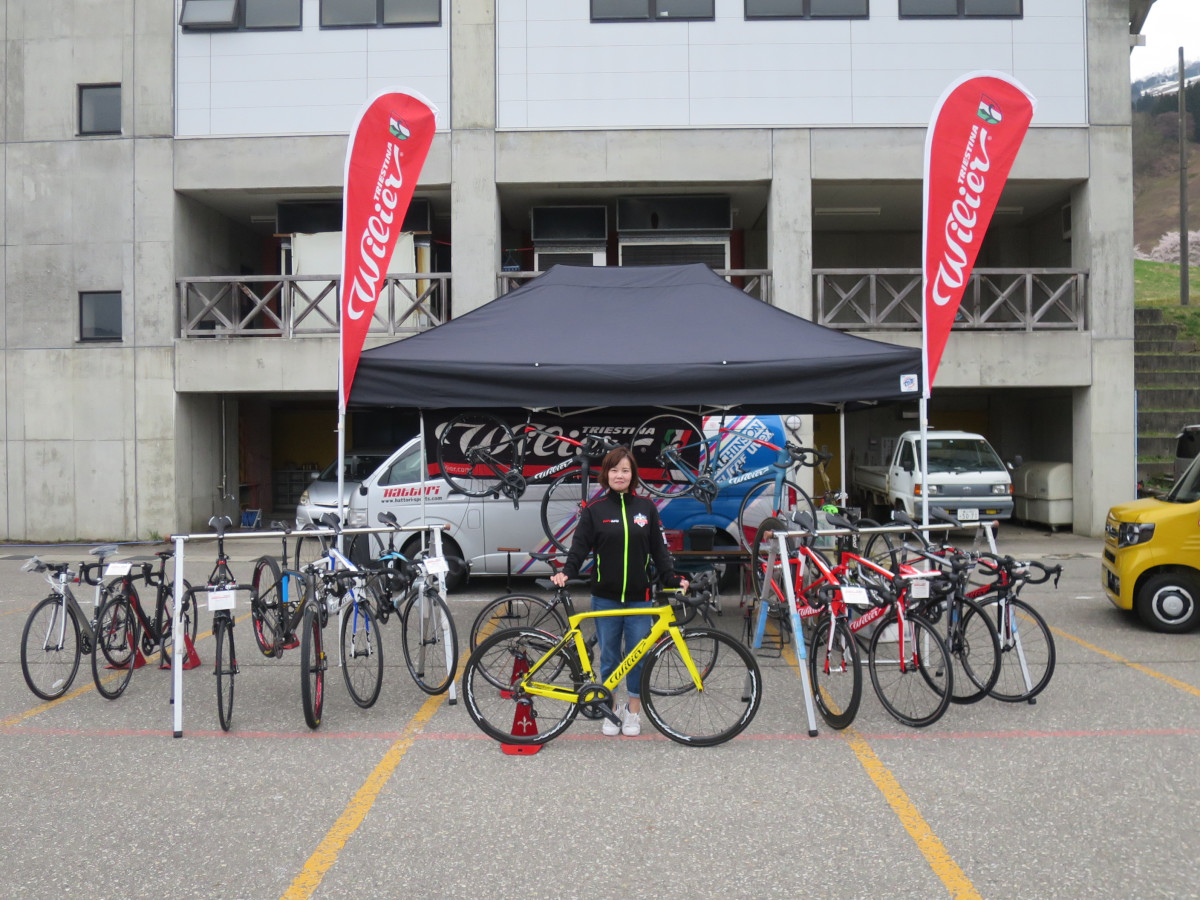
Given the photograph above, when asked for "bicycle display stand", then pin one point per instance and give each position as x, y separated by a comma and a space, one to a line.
191, 659
183, 643
523, 721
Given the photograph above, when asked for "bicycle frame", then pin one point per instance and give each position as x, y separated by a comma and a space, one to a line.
664, 624
709, 450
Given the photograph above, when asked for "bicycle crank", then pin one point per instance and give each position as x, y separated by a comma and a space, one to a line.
596, 702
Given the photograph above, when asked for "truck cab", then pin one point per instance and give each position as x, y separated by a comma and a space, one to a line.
1151, 560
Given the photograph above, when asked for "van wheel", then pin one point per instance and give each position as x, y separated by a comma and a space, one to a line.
457, 576
1170, 602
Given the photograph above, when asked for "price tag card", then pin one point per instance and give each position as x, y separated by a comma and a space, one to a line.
117, 569
968, 515
222, 599
919, 590
436, 565
855, 596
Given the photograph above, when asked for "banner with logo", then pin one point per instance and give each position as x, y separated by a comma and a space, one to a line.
974, 135
388, 146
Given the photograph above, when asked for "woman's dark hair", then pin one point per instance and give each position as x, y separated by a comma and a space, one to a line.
611, 459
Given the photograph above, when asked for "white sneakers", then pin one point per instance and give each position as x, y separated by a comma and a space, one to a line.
631, 723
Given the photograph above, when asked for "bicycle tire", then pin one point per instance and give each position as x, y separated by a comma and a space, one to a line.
649, 442
115, 653
266, 601
730, 695
835, 673
919, 694
310, 548
517, 611
1025, 636
759, 504
561, 506
485, 438
48, 664
225, 667
429, 641
882, 548
974, 652
760, 550
190, 617
362, 654
117, 638
506, 715
312, 666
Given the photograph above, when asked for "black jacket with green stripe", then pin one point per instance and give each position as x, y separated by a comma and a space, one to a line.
626, 535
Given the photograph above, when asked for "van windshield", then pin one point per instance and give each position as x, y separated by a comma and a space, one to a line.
1187, 488
962, 455
358, 466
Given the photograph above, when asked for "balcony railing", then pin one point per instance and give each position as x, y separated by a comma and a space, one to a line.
755, 282
305, 305
995, 300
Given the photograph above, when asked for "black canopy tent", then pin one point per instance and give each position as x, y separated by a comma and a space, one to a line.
678, 336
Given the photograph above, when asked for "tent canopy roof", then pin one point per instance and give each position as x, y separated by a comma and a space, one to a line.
578, 337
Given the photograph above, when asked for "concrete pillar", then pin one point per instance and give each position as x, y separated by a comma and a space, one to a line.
789, 216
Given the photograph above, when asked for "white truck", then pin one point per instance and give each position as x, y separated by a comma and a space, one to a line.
966, 477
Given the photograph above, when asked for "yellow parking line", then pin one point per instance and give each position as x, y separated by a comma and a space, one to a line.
327, 851
931, 847
1145, 670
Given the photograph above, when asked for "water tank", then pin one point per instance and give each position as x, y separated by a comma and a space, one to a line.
1042, 493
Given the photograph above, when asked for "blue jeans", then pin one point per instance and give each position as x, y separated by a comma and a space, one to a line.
618, 635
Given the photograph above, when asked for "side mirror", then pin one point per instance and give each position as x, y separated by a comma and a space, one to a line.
312, 476
362, 490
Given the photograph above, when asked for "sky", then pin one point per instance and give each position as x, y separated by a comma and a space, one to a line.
1171, 24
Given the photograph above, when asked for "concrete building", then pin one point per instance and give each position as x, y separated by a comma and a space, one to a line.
172, 173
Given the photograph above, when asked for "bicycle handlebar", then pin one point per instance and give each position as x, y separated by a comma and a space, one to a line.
800, 455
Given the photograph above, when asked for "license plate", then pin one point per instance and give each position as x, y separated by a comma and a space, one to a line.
968, 515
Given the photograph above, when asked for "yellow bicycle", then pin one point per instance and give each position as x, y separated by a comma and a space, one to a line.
700, 686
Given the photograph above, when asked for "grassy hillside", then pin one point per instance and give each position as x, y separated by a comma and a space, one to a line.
1157, 284
1156, 198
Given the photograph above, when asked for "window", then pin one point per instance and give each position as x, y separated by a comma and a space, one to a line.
961, 9
369, 13
100, 316
99, 109
225, 15
663, 10
806, 9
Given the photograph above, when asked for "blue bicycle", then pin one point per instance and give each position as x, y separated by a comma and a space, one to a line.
677, 459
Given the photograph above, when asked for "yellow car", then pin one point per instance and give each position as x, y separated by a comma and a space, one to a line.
1152, 555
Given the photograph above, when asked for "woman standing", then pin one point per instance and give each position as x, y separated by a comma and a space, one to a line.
624, 534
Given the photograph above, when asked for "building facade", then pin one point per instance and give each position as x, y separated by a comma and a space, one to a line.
172, 177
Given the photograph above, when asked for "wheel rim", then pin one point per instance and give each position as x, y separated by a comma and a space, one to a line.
1172, 604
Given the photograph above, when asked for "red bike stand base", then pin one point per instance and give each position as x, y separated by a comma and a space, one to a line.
138, 661
191, 659
523, 722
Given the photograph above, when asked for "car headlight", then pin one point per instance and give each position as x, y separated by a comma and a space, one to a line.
304, 497
1002, 489
1133, 533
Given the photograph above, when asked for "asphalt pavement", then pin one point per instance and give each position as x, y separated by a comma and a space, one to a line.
1090, 792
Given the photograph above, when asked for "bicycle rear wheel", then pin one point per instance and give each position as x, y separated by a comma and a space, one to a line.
836, 675
517, 611
974, 651
670, 453
266, 601
562, 504
310, 548
729, 696
430, 642
312, 665
475, 453
916, 687
362, 654
190, 617
506, 714
1026, 648
226, 669
117, 639
50, 648
760, 502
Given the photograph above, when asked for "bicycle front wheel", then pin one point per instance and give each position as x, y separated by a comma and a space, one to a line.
501, 710
266, 605
833, 666
912, 677
974, 651
761, 502
1027, 653
562, 505
117, 639
50, 648
312, 666
475, 452
430, 642
670, 453
362, 654
226, 669
310, 548
725, 703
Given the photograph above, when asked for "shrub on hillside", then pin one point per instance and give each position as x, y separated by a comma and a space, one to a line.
1167, 249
